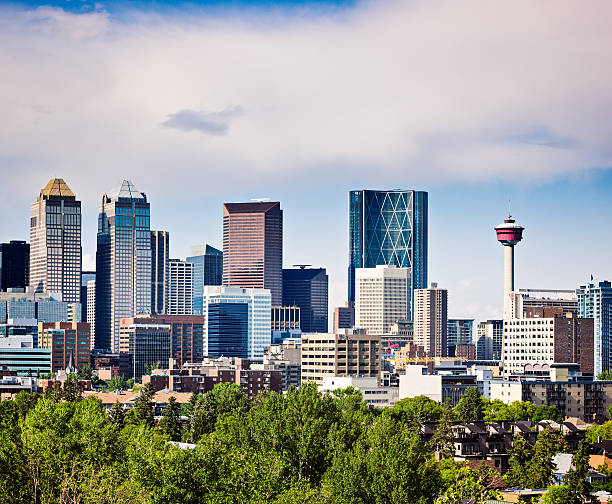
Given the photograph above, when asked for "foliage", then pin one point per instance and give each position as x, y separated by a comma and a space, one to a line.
559, 494
540, 467
463, 484
470, 406
72, 388
577, 478
116, 383
143, 407
170, 424
417, 410
149, 368
116, 415
497, 410
443, 439
520, 455
605, 375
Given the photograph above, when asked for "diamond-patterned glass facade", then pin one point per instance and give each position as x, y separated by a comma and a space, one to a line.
388, 228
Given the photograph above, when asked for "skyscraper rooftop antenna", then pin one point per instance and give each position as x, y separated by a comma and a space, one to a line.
509, 214
260, 200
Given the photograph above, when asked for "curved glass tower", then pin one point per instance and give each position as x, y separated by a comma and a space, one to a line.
388, 228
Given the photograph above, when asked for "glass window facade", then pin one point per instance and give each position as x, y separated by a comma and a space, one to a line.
307, 288
595, 301
388, 228
207, 270
228, 330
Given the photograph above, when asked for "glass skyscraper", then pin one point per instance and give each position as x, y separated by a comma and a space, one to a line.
207, 270
228, 330
160, 256
123, 262
388, 228
307, 288
55, 242
14, 264
595, 301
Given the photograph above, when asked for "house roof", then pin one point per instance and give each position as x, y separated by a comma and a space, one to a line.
498, 482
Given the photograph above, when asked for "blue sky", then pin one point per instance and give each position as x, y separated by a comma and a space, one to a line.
204, 102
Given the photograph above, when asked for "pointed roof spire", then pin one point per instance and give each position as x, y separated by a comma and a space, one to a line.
56, 189
71, 369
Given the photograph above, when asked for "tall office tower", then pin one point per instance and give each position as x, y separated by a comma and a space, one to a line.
547, 336
14, 265
381, 297
344, 317
91, 311
253, 247
484, 343
307, 288
180, 288
55, 242
146, 343
431, 320
228, 330
123, 262
207, 270
388, 228
493, 331
259, 308
86, 276
160, 255
595, 301
509, 233
460, 332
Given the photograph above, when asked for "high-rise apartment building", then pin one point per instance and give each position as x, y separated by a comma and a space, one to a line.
547, 336
259, 318
55, 242
327, 355
490, 335
14, 265
388, 228
67, 341
253, 247
86, 276
431, 320
381, 297
123, 262
460, 332
207, 270
160, 257
307, 288
180, 288
595, 301
91, 311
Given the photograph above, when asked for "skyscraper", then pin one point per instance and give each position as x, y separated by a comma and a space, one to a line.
431, 320
259, 308
253, 247
90, 308
14, 264
460, 332
123, 262
307, 288
381, 296
55, 242
388, 228
180, 288
509, 233
160, 255
86, 277
595, 301
207, 270
490, 339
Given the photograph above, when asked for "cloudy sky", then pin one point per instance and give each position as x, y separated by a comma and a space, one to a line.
477, 102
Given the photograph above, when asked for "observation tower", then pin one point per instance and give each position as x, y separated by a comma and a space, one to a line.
509, 233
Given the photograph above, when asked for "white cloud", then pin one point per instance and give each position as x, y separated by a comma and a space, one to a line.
410, 92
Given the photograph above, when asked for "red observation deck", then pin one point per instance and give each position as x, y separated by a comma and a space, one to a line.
509, 232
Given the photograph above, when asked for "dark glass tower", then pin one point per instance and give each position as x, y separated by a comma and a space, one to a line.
228, 330
388, 228
207, 270
160, 256
307, 288
14, 264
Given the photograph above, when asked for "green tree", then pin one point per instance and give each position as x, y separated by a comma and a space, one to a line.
116, 383
170, 423
116, 415
559, 494
540, 468
605, 375
577, 478
470, 407
143, 407
72, 388
520, 455
417, 410
152, 366
470, 485
443, 439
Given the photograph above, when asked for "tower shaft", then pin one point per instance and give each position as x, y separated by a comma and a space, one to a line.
508, 279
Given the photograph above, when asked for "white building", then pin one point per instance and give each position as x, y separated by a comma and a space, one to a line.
259, 314
431, 319
91, 311
55, 242
381, 297
373, 394
418, 382
180, 287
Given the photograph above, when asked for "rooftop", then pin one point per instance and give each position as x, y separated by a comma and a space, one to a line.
56, 189
126, 190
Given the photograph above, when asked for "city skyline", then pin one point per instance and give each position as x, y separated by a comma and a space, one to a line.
471, 130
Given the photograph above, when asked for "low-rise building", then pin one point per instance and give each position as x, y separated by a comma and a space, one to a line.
445, 384
65, 340
19, 355
146, 342
375, 395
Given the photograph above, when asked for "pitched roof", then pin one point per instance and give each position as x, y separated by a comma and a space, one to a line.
56, 189
127, 190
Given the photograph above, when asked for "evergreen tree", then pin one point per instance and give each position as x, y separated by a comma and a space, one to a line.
577, 478
116, 415
519, 457
143, 407
443, 439
540, 468
170, 424
72, 388
470, 407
